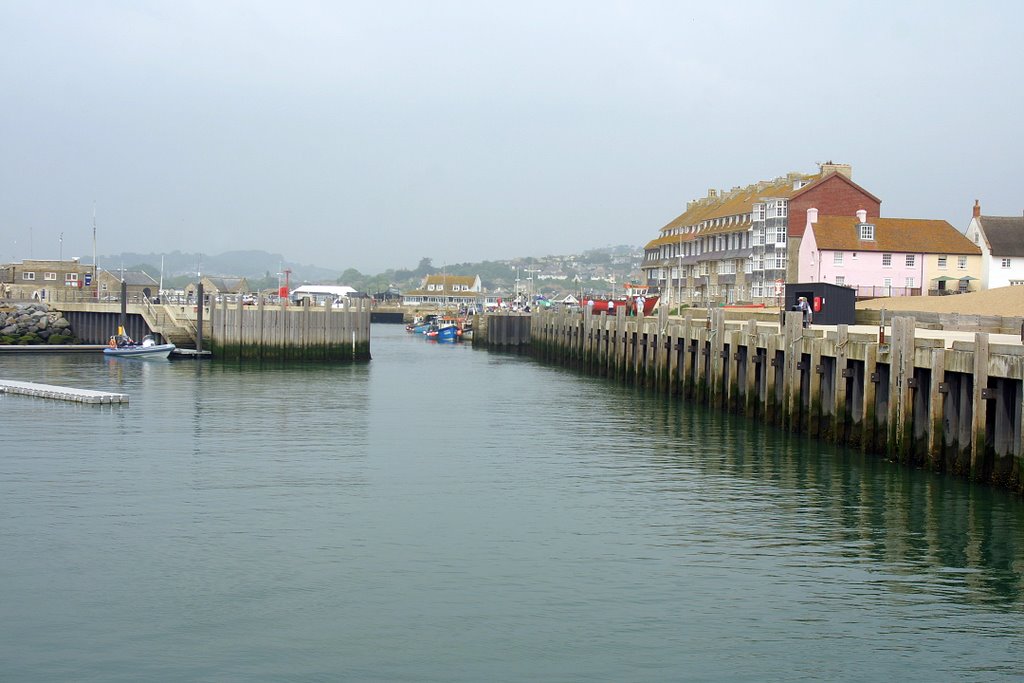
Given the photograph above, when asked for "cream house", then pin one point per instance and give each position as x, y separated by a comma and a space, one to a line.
446, 291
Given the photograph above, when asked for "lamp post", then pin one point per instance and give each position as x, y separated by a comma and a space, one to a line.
679, 273
531, 271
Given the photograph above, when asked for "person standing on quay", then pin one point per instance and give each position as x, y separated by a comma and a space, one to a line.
805, 310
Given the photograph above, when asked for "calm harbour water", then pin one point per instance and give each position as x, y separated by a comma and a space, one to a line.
450, 514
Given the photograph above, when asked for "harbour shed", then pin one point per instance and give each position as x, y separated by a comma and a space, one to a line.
831, 304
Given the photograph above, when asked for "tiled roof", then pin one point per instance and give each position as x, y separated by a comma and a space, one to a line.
810, 186
226, 284
906, 235
1005, 234
738, 202
133, 277
447, 280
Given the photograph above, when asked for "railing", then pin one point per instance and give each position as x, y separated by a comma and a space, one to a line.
869, 292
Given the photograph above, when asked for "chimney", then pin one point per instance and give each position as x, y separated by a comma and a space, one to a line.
845, 170
977, 209
812, 216
862, 216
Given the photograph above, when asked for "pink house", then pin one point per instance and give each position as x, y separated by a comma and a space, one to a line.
883, 257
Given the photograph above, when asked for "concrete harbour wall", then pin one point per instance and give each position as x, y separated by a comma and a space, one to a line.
311, 333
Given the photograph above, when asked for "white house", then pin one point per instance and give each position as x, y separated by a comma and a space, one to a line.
446, 291
321, 294
1001, 239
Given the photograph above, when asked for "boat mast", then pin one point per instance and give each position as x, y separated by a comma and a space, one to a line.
94, 242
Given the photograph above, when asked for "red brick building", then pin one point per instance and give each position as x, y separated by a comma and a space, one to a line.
741, 245
834, 194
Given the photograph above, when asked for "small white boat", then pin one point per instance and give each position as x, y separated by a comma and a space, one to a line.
147, 349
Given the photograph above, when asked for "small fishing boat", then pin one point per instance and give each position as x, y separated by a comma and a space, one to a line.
122, 346
446, 329
421, 324
636, 296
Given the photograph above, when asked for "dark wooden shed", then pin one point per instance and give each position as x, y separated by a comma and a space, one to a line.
832, 304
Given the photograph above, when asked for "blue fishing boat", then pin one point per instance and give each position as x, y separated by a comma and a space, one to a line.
421, 324
446, 330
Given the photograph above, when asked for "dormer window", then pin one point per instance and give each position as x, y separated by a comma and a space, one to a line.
867, 231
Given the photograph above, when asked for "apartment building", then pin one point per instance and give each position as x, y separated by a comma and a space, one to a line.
734, 246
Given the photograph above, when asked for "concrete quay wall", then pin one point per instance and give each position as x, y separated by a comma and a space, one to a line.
290, 333
922, 398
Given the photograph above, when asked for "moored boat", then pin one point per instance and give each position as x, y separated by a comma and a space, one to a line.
638, 297
420, 324
122, 346
446, 329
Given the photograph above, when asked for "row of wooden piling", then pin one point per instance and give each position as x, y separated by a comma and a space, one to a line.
289, 333
956, 409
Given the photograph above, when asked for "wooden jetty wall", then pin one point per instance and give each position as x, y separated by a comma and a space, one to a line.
287, 333
912, 399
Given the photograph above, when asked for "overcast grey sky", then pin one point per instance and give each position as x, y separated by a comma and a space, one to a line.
371, 134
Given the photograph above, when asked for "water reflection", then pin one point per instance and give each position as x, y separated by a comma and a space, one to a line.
926, 533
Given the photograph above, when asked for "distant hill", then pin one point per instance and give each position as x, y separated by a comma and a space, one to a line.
593, 270
251, 263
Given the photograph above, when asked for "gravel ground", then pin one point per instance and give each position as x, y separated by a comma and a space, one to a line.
1005, 301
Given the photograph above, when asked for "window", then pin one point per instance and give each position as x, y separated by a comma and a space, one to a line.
780, 234
910, 260
867, 231
28, 276
840, 280
70, 278
50, 276
758, 212
781, 210
887, 282
837, 258
942, 262
910, 282
961, 262
887, 260
1005, 262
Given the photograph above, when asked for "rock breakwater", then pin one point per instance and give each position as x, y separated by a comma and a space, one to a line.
34, 324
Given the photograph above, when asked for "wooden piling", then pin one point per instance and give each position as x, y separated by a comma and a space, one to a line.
959, 409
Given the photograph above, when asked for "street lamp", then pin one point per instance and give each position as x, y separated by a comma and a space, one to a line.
531, 271
679, 273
